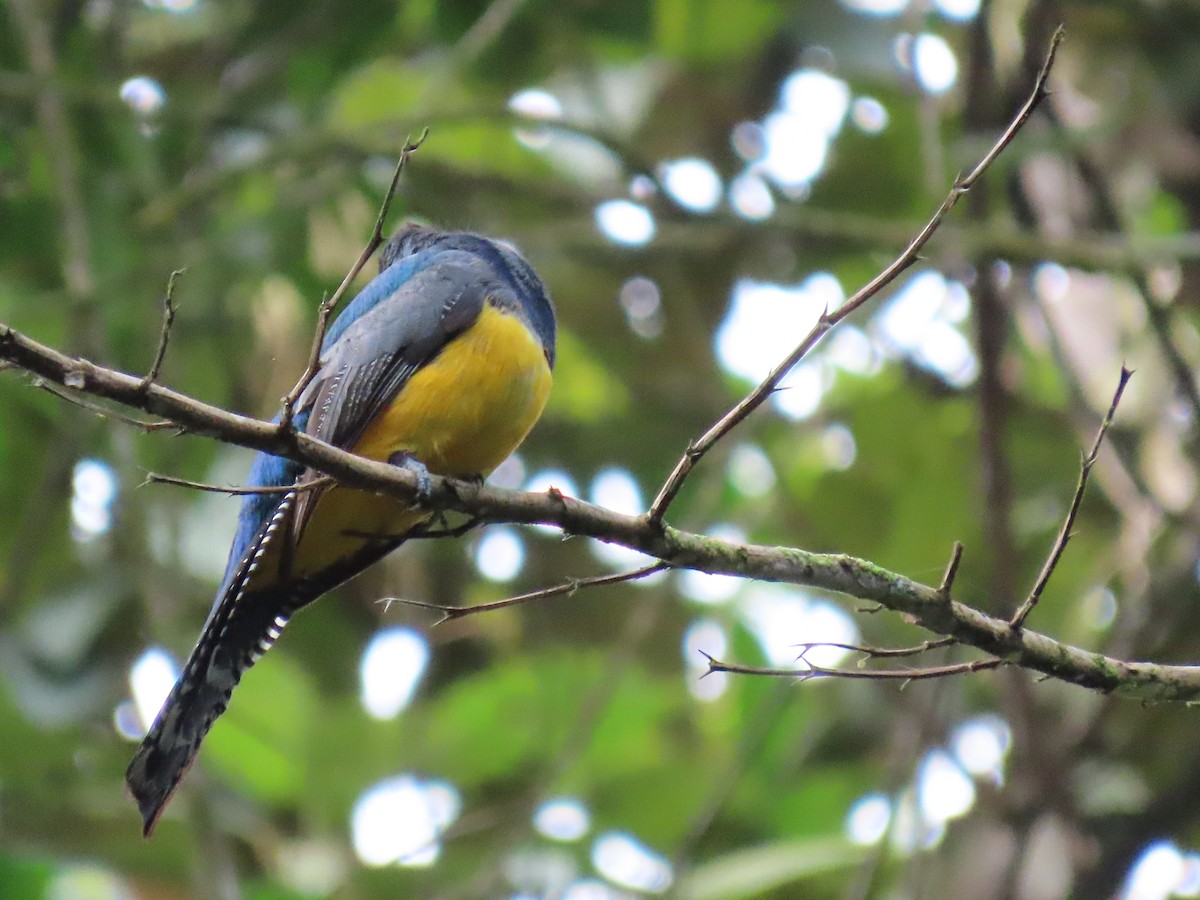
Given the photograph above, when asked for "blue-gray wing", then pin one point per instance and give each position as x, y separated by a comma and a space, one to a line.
373, 358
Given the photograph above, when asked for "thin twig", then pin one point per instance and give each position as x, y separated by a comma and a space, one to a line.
1064, 533
947, 584
321, 482
101, 411
567, 587
698, 448
814, 671
325, 310
164, 335
878, 652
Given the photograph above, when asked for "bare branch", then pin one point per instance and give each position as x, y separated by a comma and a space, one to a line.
877, 652
103, 412
329, 304
165, 335
1064, 533
566, 588
156, 478
752, 401
814, 671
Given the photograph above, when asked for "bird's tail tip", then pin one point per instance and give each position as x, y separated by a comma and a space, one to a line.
156, 770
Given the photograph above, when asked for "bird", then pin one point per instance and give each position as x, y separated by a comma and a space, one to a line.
442, 364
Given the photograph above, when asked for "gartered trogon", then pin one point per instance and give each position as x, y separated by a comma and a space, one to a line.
441, 364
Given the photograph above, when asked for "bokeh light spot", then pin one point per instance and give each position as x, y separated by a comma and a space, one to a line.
869, 115
642, 302
693, 183
500, 554
944, 791
535, 103
562, 819
143, 95
867, 821
151, 678
981, 746
626, 861
391, 670
400, 819
625, 222
751, 197
934, 63
957, 10
750, 471
94, 489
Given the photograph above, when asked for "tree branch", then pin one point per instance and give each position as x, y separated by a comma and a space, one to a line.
926, 605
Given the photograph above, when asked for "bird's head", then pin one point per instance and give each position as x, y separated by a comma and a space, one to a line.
411, 238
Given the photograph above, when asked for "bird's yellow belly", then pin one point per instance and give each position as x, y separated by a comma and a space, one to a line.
467, 410
461, 415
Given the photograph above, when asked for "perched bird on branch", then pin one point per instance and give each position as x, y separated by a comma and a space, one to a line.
442, 364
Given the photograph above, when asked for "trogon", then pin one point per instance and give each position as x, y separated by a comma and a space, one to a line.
441, 364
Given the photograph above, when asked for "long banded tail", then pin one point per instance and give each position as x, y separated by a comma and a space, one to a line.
242, 626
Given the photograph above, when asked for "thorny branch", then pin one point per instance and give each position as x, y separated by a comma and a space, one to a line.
567, 588
752, 401
878, 652
812, 670
155, 478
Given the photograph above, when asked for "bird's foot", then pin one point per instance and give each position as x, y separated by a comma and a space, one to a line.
405, 460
